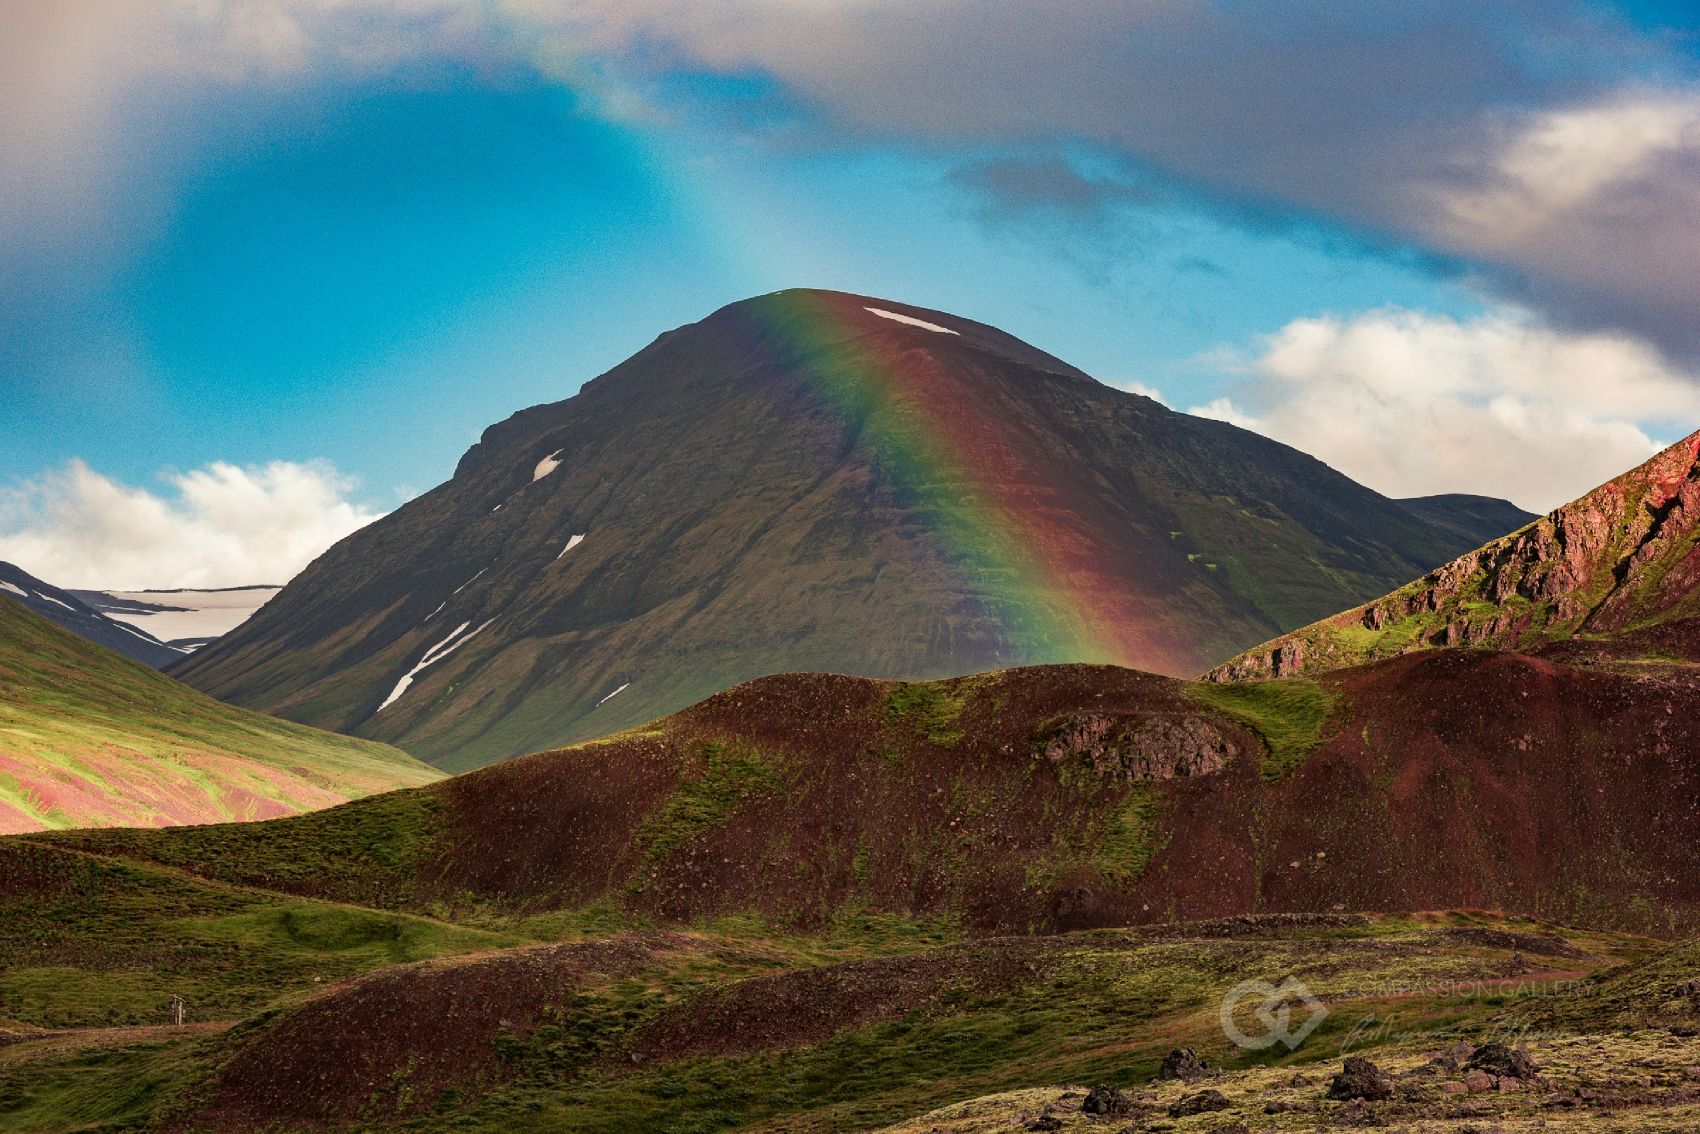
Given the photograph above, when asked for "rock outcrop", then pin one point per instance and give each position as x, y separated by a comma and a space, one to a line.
1622, 557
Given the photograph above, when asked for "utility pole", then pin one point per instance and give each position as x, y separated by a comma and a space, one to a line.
177, 1007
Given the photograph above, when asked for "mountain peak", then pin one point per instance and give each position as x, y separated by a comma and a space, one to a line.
807, 480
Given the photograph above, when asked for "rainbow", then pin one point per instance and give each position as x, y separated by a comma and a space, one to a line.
1062, 586
1005, 524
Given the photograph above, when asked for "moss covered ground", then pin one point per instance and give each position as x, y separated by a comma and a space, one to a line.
870, 1023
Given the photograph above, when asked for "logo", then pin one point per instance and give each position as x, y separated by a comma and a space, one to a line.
1274, 1013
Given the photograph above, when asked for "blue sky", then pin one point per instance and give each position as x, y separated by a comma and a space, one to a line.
344, 238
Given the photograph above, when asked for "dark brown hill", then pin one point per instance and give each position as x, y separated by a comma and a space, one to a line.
1048, 798
808, 481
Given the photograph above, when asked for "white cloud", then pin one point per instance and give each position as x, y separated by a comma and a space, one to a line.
219, 526
1412, 404
1593, 207
1223, 409
1152, 392
1524, 138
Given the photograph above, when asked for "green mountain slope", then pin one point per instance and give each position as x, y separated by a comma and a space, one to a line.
1621, 559
807, 481
90, 738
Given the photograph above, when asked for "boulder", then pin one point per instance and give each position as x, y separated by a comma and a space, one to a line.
1106, 1102
1204, 1102
1183, 1063
1360, 1079
1505, 1062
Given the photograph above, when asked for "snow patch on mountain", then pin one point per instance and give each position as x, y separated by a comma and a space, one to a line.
911, 320
546, 466
19, 591
616, 692
181, 615
433, 655
571, 543
453, 593
135, 633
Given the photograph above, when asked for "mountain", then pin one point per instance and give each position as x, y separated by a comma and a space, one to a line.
184, 618
88, 737
1475, 519
1042, 799
1616, 564
806, 481
69, 610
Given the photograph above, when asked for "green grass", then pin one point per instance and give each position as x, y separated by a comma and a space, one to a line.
102, 1087
95, 942
1095, 1007
1287, 715
372, 851
929, 708
1132, 835
730, 774
103, 740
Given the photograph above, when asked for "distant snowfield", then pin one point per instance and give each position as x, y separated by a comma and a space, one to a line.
911, 320
189, 614
19, 591
617, 692
571, 543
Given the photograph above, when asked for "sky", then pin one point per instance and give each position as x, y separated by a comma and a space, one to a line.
268, 267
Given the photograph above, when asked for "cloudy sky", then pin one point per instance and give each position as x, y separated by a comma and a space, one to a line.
268, 266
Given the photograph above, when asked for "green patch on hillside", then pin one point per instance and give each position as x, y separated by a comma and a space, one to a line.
1288, 715
107, 1087
706, 797
372, 851
1132, 835
86, 941
930, 708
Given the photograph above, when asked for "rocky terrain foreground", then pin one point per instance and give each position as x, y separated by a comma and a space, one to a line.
855, 1027
1644, 1081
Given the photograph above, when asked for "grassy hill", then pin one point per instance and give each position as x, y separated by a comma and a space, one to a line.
328, 1018
90, 738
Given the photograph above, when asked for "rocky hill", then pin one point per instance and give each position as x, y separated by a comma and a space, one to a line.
809, 481
1621, 559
